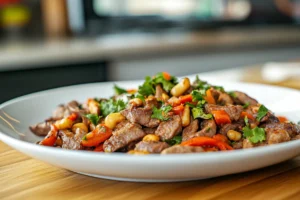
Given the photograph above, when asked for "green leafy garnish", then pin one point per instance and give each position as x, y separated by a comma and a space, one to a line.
262, 111
166, 84
162, 113
220, 88
198, 95
175, 140
139, 96
111, 106
199, 113
199, 84
232, 94
93, 118
246, 105
147, 88
254, 135
119, 90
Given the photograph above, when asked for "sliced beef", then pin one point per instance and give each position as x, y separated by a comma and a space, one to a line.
149, 130
141, 116
124, 136
71, 140
151, 147
59, 112
168, 129
159, 91
281, 132
41, 129
65, 110
242, 99
182, 149
208, 129
151, 102
190, 130
297, 137
233, 111
249, 144
120, 125
237, 126
221, 98
238, 145
290, 128
269, 118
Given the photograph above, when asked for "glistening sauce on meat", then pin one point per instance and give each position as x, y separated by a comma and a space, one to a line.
168, 116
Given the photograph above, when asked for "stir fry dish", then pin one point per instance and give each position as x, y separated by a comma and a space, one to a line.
165, 115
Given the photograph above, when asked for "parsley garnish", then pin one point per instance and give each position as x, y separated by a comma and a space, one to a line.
175, 140
198, 95
262, 111
167, 84
254, 135
220, 88
199, 113
147, 88
162, 113
119, 90
232, 94
93, 118
246, 105
111, 106
141, 97
199, 84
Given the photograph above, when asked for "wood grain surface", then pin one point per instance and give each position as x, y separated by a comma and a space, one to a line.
25, 178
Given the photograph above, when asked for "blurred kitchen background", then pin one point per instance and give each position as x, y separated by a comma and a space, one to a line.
51, 43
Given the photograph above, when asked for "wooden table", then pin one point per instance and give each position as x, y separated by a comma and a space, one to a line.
25, 178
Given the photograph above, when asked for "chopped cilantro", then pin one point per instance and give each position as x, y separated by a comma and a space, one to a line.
84, 138
139, 96
198, 95
147, 88
254, 135
175, 140
232, 94
119, 90
246, 120
162, 113
246, 105
199, 113
167, 84
111, 106
262, 111
93, 118
199, 84
220, 88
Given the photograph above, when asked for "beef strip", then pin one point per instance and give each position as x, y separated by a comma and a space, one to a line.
42, 128
238, 144
208, 129
233, 111
190, 130
281, 132
71, 140
129, 133
141, 116
168, 129
149, 130
159, 91
221, 98
151, 147
182, 149
249, 144
65, 110
242, 99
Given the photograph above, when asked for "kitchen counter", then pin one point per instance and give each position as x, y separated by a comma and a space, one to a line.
29, 54
23, 177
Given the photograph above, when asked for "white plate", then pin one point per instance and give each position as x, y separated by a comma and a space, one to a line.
34, 108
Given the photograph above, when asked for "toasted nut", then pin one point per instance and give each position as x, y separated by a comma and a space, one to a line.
234, 135
181, 87
186, 116
135, 152
136, 102
64, 123
112, 119
81, 126
93, 107
174, 101
151, 137
165, 97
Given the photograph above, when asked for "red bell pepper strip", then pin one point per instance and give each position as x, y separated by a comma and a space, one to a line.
186, 98
51, 138
221, 117
207, 141
97, 136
